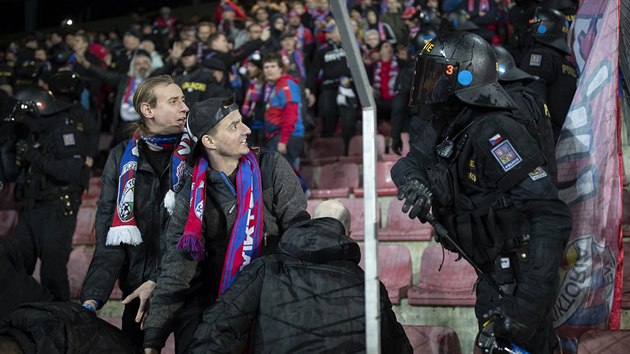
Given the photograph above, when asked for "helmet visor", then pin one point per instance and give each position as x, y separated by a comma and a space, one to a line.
435, 80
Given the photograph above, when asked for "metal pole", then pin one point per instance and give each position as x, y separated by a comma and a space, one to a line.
362, 84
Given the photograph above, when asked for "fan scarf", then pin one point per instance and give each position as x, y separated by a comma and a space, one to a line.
124, 229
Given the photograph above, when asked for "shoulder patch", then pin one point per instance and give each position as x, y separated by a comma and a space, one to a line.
506, 155
535, 60
69, 140
537, 173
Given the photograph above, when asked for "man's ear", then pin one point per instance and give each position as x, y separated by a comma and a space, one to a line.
147, 110
208, 142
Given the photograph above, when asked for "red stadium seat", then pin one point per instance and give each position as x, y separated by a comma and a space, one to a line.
391, 156
78, 264
625, 294
355, 149
452, 286
433, 340
604, 341
84, 233
394, 270
324, 150
384, 184
357, 211
336, 180
401, 228
8, 222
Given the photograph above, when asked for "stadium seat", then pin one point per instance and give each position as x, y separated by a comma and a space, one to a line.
355, 149
384, 184
394, 270
433, 340
625, 294
336, 180
452, 286
84, 233
8, 222
324, 150
400, 228
604, 341
391, 156
357, 211
78, 264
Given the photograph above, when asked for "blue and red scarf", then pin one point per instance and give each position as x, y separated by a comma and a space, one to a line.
124, 229
245, 240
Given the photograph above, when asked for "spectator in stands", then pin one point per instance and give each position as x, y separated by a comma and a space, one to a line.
207, 245
304, 36
336, 99
385, 31
229, 24
271, 291
124, 112
393, 17
483, 175
383, 77
204, 31
219, 48
293, 59
156, 58
253, 106
261, 15
122, 58
166, 22
483, 13
284, 128
130, 217
370, 52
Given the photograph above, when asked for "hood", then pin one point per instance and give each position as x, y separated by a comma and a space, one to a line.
319, 240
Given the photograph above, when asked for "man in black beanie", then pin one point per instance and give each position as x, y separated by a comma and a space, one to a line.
217, 226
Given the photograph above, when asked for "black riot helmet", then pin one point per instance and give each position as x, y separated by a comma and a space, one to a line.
459, 64
459, 20
506, 67
550, 27
421, 38
45, 102
430, 16
66, 84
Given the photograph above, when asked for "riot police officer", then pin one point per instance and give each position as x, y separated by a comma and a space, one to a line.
483, 179
547, 59
52, 178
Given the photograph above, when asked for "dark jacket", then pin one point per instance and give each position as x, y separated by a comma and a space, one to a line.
116, 79
63, 327
308, 298
131, 265
198, 84
183, 279
21, 286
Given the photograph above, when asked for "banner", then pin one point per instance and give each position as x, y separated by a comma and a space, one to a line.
590, 174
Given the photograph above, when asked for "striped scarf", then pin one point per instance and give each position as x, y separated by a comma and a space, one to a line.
393, 72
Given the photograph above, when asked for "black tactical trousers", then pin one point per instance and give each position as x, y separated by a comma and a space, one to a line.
44, 232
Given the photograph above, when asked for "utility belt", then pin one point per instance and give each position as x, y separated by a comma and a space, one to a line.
507, 267
36, 190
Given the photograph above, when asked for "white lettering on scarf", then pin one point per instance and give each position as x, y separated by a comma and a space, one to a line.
248, 245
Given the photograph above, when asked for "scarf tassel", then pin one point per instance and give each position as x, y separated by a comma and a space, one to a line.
127, 234
169, 201
191, 242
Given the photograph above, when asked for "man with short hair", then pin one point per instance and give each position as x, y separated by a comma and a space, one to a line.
232, 209
275, 296
284, 129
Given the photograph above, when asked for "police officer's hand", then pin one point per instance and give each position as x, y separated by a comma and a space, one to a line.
24, 150
507, 327
143, 292
396, 143
418, 198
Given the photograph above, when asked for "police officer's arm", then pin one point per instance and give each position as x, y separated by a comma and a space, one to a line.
111, 77
173, 281
229, 319
71, 169
107, 260
539, 63
313, 70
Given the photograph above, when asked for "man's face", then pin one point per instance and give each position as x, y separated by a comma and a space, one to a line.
294, 21
254, 32
188, 61
252, 70
80, 45
261, 15
203, 32
141, 66
372, 41
169, 114
148, 45
334, 35
40, 54
432, 4
230, 137
387, 51
220, 44
272, 71
130, 42
288, 43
